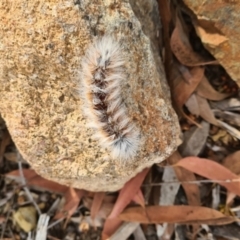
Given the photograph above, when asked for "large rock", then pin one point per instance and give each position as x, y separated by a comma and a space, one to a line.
218, 25
42, 44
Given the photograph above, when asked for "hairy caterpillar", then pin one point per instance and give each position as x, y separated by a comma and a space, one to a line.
102, 77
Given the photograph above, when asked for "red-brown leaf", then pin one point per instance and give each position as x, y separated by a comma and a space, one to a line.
175, 214
110, 226
33, 179
97, 203
183, 90
72, 200
183, 175
138, 198
213, 171
128, 192
205, 111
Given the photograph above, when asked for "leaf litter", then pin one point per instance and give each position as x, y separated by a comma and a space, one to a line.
186, 197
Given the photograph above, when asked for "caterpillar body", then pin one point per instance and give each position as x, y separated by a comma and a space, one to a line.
102, 78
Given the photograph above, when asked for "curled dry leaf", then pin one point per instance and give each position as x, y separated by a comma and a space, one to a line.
213, 171
175, 214
182, 49
183, 90
205, 90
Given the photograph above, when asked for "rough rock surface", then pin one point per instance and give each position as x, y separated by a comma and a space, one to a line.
41, 47
220, 31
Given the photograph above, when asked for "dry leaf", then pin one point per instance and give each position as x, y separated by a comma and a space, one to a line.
139, 199
97, 203
105, 209
128, 192
183, 175
205, 111
232, 162
194, 140
192, 105
126, 195
175, 214
182, 49
72, 200
183, 90
26, 218
33, 179
213, 171
110, 226
205, 90
229, 199
227, 232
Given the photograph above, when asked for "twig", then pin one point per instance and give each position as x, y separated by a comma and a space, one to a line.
30, 197
55, 223
193, 182
53, 238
